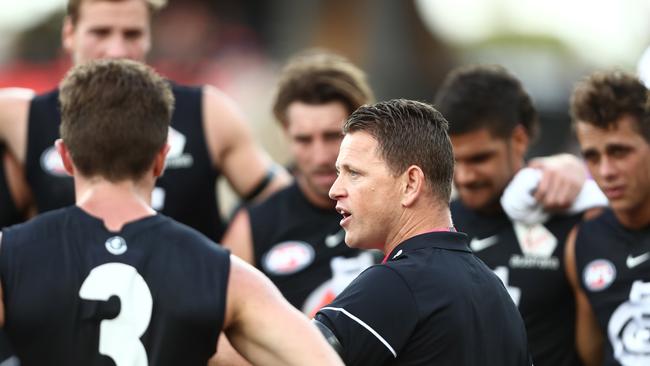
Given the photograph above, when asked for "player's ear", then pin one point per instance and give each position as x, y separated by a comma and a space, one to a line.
159, 160
520, 141
64, 153
67, 35
413, 183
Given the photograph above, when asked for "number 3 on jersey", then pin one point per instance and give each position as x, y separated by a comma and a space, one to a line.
119, 338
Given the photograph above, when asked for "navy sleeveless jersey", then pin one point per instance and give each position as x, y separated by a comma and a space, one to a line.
9, 214
300, 248
186, 192
613, 264
152, 294
529, 260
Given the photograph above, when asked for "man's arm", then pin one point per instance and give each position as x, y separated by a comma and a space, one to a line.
233, 150
18, 188
14, 110
239, 238
589, 339
265, 328
563, 176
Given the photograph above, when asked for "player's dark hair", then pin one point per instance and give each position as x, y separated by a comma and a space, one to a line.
409, 133
604, 97
485, 96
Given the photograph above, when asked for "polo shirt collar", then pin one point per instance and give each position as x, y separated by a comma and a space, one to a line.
449, 240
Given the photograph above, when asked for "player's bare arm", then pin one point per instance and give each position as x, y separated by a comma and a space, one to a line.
239, 238
234, 150
18, 187
14, 110
589, 341
253, 323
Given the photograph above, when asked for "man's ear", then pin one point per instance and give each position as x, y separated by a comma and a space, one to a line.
67, 35
64, 153
159, 160
519, 141
413, 184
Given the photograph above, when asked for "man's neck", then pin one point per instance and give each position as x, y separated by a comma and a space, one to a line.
636, 218
416, 223
318, 200
114, 203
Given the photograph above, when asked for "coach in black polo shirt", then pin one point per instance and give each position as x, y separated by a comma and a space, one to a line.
431, 302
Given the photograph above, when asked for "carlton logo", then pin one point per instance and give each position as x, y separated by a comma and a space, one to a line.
599, 274
288, 257
51, 162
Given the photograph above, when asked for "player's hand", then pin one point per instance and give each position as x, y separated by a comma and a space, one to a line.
562, 178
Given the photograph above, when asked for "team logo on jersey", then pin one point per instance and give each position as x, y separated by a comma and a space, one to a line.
116, 245
537, 244
629, 327
344, 270
51, 162
599, 274
176, 158
288, 257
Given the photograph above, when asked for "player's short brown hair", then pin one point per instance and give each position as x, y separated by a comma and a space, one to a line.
115, 115
319, 77
73, 7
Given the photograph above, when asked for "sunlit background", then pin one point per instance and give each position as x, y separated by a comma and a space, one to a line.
405, 46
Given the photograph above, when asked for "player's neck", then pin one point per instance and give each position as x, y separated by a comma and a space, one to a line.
316, 199
114, 203
636, 218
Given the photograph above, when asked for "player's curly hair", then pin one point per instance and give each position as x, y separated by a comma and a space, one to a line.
602, 98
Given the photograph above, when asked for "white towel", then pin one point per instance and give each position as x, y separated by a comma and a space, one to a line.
520, 205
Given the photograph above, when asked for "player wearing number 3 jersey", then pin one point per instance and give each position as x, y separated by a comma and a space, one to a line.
109, 281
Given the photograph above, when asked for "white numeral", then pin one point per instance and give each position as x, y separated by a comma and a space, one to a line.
119, 338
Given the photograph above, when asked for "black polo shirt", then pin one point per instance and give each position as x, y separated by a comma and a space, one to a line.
432, 302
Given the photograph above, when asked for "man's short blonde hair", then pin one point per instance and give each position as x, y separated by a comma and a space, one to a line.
74, 6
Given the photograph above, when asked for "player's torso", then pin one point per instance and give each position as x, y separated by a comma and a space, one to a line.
77, 294
529, 260
301, 249
613, 265
185, 192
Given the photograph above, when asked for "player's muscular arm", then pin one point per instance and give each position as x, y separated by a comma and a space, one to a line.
14, 110
226, 355
239, 238
233, 149
589, 340
265, 328
18, 187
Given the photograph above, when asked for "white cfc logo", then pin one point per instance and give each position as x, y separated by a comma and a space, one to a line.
629, 327
116, 245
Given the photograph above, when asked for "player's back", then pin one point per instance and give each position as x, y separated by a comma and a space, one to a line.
75, 293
